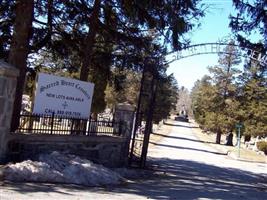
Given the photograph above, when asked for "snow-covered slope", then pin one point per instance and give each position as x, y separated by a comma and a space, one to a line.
62, 168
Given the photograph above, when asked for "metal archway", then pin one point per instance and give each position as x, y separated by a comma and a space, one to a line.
192, 50
216, 48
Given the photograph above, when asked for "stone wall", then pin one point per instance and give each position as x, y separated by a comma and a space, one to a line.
106, 150
8, 76
110, 151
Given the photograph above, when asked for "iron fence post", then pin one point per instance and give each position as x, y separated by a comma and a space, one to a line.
48, 124
52, 123
89, 126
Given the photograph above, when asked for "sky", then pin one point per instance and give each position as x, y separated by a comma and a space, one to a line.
214, 26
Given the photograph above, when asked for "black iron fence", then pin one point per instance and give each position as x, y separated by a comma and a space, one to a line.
52, 124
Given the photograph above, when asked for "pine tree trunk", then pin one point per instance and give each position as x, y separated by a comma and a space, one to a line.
218, 137
19, 51
90, 41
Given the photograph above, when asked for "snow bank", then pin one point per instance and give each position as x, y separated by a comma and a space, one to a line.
62, 168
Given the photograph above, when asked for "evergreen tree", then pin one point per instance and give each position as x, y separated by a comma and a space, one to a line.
224, 81
7, 13
123, 88
81, 30
214, 98
251, 16
253, 99
202, 94
166, 97
19, 51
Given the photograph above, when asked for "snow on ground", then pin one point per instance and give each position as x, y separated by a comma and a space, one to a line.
62, 168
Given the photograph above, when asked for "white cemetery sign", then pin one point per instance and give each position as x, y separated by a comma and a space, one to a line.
63, 96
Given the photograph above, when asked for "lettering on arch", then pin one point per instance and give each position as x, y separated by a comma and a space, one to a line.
215, 48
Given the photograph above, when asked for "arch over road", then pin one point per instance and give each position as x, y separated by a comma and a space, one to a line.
140, 155
215, 48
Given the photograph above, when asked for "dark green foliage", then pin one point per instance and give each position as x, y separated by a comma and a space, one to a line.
62, 26
214, 102
129, 87
262, 146
229, 97
7, 15
251, 16
92, 37
166, 97
253, 100
253, 81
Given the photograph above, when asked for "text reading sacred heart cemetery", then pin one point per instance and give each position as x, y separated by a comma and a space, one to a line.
63, 96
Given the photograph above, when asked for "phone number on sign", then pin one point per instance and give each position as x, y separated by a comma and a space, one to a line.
68, 113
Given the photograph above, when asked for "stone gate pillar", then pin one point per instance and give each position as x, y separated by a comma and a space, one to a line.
124, 113
8, 81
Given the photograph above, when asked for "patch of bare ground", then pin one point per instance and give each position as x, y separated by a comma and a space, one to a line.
159, 131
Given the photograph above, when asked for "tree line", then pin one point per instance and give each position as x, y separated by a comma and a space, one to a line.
232, 95
100, 40
92, 39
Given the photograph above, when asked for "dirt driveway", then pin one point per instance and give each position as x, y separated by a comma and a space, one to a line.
186, 168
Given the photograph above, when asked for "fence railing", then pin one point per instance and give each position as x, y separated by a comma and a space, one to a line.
52, 124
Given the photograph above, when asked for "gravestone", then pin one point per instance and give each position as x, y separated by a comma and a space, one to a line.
8, 81
229, 139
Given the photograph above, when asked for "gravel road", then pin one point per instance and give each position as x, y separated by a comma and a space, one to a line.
185, 167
